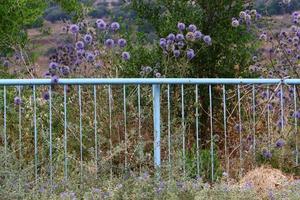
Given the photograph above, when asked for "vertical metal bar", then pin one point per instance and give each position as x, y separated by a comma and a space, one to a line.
156, 122
197, 131
20, 124
110, 129
225, 129
4, 121
140, 125
296, 124
50, 135
80, 133
125, 126
240, 130
254, 118
183, 129
95, 129
268, 118
211, 133
169, 129
281, 109
65, 134
35, 135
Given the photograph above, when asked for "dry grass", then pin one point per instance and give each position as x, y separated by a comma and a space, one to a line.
264, 179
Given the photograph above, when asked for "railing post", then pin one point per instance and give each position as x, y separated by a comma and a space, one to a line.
156, 123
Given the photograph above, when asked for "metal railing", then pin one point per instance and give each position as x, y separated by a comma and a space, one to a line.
243, 96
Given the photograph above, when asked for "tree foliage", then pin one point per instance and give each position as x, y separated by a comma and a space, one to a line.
17, 15
228, 55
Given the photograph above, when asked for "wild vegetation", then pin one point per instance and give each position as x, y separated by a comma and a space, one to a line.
105, 149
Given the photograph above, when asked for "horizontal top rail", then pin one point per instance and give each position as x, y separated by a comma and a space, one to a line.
148, 81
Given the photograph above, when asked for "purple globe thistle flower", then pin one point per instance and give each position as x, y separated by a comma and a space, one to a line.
238, 128
264, 94
5, 63
79, 45
176, 53
207, 39
181, 26
192, 27
46, 96
158, 75
17, 101
109, 43
263, 37
126, 56
280, 143
90, 57
190, 36
80, 52
54, 79
243, 15
179, 37
65, 70
99, 65
122, 43
171, 37
115, 26
101, 25
180, 44
190, 54
266, 154
74, 28
198, 35
280, 123
163, 43
47, 74
235, 23
53, 65
88, 38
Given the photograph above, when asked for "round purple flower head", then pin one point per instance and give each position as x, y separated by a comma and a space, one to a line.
90, 57
171, 37
297, 114
238, 128
46, 96
179, 37
190, 36
54, 79
101, 25
122, 43
109, 43
181, 26
6, 63
74, 28
267, 154
47, 74
280, 143
176, 53
235, 23
158, 75
53, 65
79, 45
163, 43
198, 35
190, 54
207, 39
115, 26
88, 38
17, 101
65, 70
180, 44
126, 56
192, 28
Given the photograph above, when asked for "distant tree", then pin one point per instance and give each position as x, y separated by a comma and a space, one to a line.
16, 17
